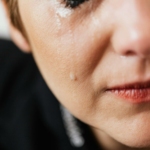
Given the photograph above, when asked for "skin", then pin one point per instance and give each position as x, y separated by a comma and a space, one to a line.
99, 45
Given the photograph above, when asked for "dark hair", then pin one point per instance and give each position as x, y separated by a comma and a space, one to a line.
13, 12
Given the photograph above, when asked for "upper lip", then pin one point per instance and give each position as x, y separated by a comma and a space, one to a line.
131, 85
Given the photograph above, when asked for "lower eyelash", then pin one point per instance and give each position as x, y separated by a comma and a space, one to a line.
74, 3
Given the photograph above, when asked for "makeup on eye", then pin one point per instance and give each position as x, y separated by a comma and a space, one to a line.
74, 3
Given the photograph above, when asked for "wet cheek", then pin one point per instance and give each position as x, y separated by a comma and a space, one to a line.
70, 51
68, 48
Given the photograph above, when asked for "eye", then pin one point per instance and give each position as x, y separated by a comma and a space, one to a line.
74, 3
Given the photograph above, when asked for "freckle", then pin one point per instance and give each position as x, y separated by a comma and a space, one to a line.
73, 77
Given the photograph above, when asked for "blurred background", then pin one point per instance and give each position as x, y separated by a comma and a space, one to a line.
4, 32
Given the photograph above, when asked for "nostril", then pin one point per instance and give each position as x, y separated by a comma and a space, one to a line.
129, 53
132, 41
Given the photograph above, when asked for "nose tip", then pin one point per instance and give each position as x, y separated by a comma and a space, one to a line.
135, 42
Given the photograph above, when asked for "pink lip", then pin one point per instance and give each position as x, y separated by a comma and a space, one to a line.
134, 93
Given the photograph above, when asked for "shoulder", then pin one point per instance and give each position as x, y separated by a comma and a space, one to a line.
17, 69
10, 55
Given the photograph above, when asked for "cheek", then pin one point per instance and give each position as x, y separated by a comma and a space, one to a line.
66, 56
64, 44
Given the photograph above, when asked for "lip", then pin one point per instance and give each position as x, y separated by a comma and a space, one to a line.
137, 92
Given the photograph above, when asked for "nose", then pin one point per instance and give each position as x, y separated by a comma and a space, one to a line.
131, 36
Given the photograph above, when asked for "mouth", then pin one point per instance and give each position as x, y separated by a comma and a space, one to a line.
136, 93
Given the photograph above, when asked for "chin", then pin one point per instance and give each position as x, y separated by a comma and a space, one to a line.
137, 139
137, 143
133, 132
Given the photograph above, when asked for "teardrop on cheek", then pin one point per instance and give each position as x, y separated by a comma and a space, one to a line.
73, 76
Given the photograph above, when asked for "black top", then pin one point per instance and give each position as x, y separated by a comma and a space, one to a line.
30, 116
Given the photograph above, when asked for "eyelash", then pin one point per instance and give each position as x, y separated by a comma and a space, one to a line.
74, 3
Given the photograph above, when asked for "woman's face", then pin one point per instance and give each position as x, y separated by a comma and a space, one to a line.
95, 58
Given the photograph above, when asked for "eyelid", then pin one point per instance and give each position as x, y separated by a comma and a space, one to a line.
74, 3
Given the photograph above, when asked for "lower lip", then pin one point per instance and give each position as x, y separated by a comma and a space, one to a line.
133, 95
